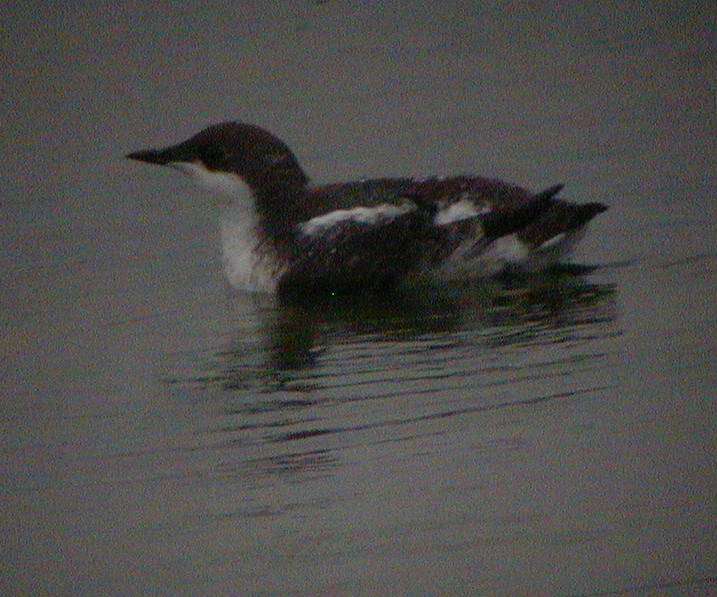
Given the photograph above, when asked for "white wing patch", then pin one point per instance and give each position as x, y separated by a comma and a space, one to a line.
362, 215
460, 210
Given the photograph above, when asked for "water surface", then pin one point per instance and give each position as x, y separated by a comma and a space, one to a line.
544, 435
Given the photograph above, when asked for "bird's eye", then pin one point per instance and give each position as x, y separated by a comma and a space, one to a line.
214, 156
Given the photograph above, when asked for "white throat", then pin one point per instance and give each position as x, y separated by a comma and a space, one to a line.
246, 262
224, 184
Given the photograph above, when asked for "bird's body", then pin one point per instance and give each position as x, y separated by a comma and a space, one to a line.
281, 232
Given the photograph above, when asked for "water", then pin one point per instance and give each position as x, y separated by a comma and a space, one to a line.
162, 432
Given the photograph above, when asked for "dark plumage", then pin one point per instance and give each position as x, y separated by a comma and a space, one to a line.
374, 232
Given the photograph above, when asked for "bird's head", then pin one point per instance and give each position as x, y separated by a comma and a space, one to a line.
227, 150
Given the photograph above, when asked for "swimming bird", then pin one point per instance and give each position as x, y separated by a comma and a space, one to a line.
280, 232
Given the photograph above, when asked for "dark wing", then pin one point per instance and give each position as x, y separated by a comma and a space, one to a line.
563, 217
431, 194
351, 253
508, 208
367, 193
374, 247
488, 194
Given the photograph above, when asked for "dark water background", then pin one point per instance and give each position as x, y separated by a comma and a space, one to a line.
162, 432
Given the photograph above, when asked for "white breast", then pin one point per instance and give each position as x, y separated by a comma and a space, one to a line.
247, 262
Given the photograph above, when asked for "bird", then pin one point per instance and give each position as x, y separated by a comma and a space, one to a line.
281, 233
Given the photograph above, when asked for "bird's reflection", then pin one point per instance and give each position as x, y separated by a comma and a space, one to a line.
320, 371
301, 329
304, 326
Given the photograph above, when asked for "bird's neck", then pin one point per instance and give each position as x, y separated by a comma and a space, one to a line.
279, 187
279, 207
275, 195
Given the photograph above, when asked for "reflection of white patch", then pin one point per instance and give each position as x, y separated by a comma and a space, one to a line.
460, 210
362, 215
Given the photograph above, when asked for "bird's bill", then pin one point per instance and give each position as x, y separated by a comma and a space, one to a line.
165, 156
161, 157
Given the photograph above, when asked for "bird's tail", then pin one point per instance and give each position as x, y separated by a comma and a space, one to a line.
502, 222
497, 223
587, 211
